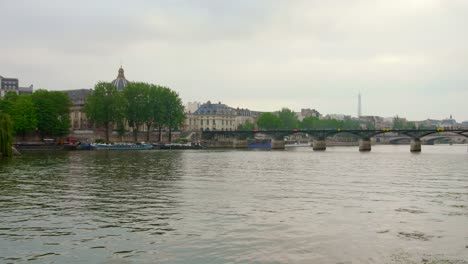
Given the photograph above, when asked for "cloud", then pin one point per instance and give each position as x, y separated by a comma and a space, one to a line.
254, 54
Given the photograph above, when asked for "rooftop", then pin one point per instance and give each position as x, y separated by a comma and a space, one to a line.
78, 96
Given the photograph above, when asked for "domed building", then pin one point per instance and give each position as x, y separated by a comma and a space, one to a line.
120, 82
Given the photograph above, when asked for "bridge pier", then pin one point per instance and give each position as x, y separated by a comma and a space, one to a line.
319, 144
365, 144
415, 145
277, 144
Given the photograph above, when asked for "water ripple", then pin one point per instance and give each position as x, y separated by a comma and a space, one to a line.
300, 206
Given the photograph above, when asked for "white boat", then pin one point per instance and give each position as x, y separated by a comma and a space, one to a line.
297, 144
100, 146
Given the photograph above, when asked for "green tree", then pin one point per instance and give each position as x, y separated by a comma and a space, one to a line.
310, 122
269, 121
400, 123
158, 95
137, 106
24, 115
6, 135
288, 119
156, 109
174, 112
6, 104
104, 106
350, 124
53, 112
247, 126
313, 122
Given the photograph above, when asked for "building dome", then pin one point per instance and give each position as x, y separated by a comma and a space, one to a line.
120, 82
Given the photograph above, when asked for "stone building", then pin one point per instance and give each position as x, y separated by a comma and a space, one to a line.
78, 118
12, 85
218, 116
307, 112
191, 107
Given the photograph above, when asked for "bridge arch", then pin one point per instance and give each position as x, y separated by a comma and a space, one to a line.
431, 141
399, 140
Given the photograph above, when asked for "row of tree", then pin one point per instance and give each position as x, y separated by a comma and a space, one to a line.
44, 112
287, 119
139, 105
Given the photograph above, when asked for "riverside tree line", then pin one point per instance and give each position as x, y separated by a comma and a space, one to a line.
287, 120
44, 112
139, 105
47, 113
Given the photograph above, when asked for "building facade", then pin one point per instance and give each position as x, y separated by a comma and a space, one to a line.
12, 85
78, 118
218, 116
191, 107
307, 112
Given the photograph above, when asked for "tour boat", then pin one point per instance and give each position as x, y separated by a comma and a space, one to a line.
295, 144
100, 146
179, 146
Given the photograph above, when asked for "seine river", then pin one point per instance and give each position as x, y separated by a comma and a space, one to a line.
234, 206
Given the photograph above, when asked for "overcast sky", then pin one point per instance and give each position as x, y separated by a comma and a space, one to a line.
407, 58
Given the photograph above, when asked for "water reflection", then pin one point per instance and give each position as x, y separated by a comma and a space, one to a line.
338, 206
74, 199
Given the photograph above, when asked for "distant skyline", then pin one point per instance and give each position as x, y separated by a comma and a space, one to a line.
406, 57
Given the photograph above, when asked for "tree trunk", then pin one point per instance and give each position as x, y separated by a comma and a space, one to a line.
135, 134
148, 127
160, 134
170, 135
107, 132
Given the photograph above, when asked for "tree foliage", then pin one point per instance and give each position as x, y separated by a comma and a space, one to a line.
288, 119
137, 105
269, 121
6, 104
23, 115
53, 112
158, 95
174, 112
105, 106
6, 135
399, 123
247, 126
313, 122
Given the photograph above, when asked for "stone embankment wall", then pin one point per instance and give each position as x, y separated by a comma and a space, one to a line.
91, 136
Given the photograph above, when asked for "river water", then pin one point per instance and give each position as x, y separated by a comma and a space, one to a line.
231, 206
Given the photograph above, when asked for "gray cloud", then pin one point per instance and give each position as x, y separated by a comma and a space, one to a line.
406, 57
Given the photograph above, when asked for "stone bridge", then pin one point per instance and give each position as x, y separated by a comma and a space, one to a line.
239, 138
